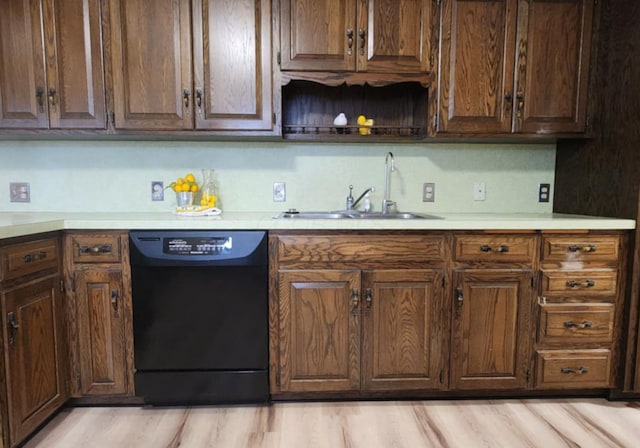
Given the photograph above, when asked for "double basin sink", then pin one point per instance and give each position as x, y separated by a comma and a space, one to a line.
352, 214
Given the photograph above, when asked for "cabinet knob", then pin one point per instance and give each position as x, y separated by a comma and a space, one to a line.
13, 328
52, 97
355, 301
186, 95
362, 34
40, 98
349, 41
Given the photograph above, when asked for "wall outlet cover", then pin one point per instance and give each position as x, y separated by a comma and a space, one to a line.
428, 192
157, 190
279, 192
544, 192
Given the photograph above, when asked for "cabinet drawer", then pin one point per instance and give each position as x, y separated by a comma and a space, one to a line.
579, 283
27, 258
96, 248
573, 369
576, 324
495, 248
580, 248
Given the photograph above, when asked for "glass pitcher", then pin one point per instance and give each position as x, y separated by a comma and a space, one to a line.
209, 191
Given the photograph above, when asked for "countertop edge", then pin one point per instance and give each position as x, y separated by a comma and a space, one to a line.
23, 224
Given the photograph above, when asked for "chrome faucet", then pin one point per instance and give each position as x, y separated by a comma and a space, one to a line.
351, 203
386, 201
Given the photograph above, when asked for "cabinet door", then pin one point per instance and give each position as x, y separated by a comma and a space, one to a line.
393, 37
75, 84
491, 343
476, 66
22, 78
319, 346
232, 55
35, 355
151, 63
554, 42
100, 321
403, 330
318, 35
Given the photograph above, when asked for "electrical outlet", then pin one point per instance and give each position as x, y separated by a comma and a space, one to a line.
428, 192
544, 192
157, 190
19, 192
479, 192
279, 192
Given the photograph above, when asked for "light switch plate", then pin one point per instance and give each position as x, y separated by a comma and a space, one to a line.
19, 192
479, 191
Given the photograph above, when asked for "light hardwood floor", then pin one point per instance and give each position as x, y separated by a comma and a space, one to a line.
412, 424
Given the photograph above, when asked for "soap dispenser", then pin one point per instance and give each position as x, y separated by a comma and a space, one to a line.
367, 203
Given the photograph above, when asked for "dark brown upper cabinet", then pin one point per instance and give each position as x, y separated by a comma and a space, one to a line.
184, 65
355, 35
51, 73
514, 66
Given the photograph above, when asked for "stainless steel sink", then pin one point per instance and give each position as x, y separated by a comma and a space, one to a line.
351, 214
398, 215
312, 215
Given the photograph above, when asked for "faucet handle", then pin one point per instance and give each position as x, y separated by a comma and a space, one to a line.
350, 198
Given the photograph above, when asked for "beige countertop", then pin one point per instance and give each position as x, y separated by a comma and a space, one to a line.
19, 224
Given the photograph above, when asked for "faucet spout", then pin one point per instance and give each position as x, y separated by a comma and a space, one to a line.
386, 201
368, 190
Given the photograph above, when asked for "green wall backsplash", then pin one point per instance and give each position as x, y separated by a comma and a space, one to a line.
117, 175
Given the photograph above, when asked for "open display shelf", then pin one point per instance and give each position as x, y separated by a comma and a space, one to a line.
399, 111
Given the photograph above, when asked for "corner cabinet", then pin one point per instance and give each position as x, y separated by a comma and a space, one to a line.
514, 66
33, 336
356, 314
99, 315
51, 59
182, 65
355, 35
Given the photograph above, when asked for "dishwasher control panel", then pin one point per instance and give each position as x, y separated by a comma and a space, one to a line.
197, 245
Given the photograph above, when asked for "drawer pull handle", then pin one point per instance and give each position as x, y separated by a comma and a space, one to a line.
585, 284
570, 371
500, 249
587, 248
13, 328
584, 324
355, 301
34, 257
104, 249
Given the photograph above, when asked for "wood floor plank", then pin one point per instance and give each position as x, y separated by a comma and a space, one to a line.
380, 424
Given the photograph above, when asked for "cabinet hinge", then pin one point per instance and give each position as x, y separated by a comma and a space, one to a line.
72, 282
435, 121
62, 286
278, 379
78, 383
441, 376
526, 377
279, 58
111, 116
533, 282
444, 281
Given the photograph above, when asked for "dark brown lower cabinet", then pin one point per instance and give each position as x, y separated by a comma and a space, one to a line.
99, 315
491, 342
350, 330
33, 376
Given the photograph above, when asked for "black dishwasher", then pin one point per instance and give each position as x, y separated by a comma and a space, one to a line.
200, 316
